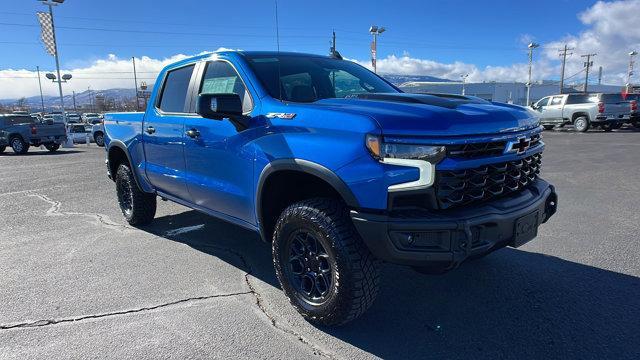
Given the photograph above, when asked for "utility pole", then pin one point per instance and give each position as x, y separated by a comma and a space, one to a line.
531, 46
630, 72
40, 86
75, 109
564, 53
375, 31
587, 64
135, 80
464, 81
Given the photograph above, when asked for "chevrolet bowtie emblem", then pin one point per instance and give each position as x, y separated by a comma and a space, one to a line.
518, 146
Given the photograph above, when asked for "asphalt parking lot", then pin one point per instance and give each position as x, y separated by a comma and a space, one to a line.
76, 282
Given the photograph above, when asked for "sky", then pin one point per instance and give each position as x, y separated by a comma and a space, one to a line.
485, 39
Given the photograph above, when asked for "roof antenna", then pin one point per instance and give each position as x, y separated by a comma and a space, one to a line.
278, 44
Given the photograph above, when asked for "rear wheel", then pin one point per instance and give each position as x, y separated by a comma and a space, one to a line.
607, 127
324, 268
137, 206
19, 146
99, 138
52, 147
581, 124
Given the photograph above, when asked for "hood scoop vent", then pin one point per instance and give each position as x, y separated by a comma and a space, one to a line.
449, 101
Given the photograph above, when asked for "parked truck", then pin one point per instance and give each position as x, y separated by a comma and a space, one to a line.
598, 110
335, 167
23, 131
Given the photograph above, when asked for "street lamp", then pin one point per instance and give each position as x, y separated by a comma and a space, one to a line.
630, 72
531, 46
375, 31
464, 80
53, 77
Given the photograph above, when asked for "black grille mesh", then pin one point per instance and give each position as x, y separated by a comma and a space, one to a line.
461, 187
485, 149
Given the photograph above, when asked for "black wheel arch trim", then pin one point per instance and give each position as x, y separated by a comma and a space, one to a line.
120, 145
304, 166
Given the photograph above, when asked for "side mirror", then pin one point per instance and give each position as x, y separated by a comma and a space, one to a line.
219, 106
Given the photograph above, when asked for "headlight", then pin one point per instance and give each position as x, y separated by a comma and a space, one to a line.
380, 150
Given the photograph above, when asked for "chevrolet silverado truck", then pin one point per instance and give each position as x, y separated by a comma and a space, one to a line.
23, 131
604, 111
334, 166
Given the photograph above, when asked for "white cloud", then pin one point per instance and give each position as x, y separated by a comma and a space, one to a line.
108, 73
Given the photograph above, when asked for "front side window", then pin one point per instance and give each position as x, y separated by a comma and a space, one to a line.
299, 78
174, 91
222, 78
542, 102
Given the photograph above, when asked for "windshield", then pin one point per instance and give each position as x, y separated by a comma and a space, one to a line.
307, 78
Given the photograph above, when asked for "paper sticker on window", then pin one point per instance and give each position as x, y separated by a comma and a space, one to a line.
221, 85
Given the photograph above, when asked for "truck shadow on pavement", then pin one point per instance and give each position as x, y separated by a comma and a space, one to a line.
512, 304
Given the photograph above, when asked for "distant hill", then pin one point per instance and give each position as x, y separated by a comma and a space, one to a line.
84, 98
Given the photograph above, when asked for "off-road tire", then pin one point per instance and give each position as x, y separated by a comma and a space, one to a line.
137, 206
18, 145
355, 272
52, 147
581, 124
99, 139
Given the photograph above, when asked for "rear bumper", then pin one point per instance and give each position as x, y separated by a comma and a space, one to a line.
447, 238
602, 119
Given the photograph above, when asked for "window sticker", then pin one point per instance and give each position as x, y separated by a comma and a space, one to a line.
220, 85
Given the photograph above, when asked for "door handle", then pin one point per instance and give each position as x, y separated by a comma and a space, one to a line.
150, 130
193, 133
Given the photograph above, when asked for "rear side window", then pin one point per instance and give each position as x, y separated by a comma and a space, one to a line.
578, 99
556, 100
15, 120
174, 91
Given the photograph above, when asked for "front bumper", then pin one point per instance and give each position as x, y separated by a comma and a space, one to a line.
446, 238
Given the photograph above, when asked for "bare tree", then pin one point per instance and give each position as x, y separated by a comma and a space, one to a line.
22, 105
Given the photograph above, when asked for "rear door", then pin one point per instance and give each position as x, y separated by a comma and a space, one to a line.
219, 159
553, 111
163, 134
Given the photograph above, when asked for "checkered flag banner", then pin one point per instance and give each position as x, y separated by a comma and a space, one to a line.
46, 33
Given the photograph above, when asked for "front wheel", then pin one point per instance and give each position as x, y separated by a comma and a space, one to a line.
324, 268
19, 146
581, 124
52, 147
137, 206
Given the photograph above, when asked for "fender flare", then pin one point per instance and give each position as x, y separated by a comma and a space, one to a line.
120, 145
303, 166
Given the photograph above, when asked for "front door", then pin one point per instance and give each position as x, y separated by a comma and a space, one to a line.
163, 135
219, 156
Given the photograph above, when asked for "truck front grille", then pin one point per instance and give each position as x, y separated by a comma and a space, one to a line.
461, 187
484, 149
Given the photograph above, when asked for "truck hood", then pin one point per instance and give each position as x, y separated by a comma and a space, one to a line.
435, 115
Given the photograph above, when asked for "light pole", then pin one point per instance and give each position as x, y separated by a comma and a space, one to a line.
51, 4
531, 46
375, 31
630, 73
464, 81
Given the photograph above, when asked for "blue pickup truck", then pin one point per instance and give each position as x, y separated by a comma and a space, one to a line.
333, 165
